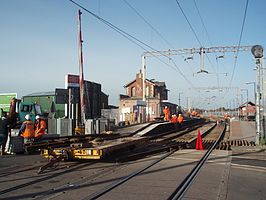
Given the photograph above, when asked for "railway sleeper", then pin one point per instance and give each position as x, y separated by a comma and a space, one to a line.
238, 143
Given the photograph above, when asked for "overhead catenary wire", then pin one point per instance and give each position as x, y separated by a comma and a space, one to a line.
162, 37
209, 38
117, 29
191, 27
239, 42
194, 32
130, 38
237, 51
203, 24
148, 23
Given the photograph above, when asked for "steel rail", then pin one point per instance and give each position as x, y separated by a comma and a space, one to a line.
62, 189
45, 178
166, 144
173, 148
123, 180
57, 159
191, 125
10, 170
170, 147
186, 183
78, 183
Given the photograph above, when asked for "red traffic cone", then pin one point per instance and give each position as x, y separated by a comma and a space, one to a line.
199, 142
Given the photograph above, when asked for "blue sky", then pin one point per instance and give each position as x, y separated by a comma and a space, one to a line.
38, 45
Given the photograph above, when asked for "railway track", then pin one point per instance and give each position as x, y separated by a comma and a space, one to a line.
56, 184
98, 147
187, 182
75, 184
125, 179
166, 142
183, 186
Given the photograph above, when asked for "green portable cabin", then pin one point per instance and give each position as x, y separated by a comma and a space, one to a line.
47, 102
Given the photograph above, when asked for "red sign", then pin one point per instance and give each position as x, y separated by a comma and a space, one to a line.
72, 80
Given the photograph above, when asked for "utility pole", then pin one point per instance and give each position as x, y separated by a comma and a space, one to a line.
143, 66
258, 118
263, 136
81, 74
257, 52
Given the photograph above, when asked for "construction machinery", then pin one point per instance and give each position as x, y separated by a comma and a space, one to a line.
18, 110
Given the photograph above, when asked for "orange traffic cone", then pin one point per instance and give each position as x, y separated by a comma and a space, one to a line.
199, 142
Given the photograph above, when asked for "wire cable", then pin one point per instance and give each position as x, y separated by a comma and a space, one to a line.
117, 29
194, 32
130, 37
201, 19
239, 42
209, 39
189, 23
160, 35
149, 24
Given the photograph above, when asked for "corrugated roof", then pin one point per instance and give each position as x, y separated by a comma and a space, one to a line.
50, 93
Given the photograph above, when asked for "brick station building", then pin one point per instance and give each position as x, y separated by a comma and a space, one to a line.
132, 108
247, 111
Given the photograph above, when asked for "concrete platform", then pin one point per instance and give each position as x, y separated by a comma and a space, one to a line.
242, 130
236, 174
231, 175
148, 129
130, 130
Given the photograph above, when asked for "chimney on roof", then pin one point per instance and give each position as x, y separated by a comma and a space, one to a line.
139, 75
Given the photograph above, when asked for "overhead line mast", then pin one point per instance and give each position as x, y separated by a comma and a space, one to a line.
201, 51
197, 50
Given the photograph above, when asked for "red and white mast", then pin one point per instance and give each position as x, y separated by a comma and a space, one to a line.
81, 74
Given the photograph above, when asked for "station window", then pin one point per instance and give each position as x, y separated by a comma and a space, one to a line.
133, 91
147, 91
